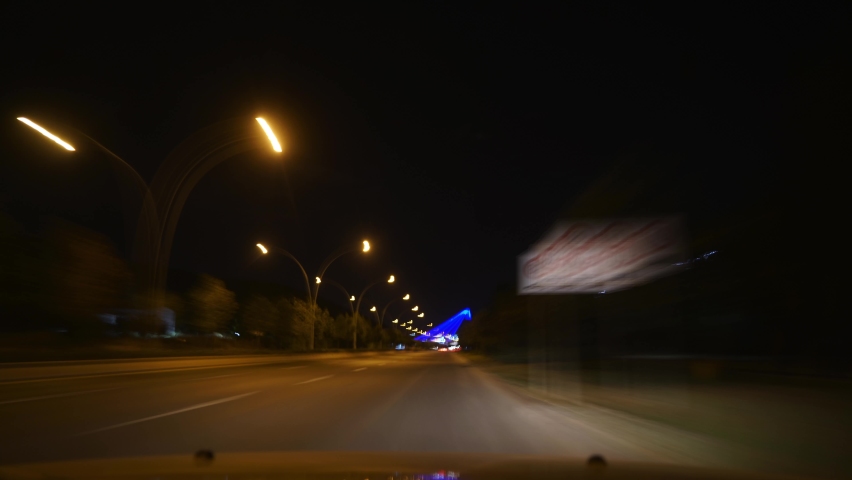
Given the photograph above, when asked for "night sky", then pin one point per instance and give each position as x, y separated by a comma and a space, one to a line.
449, 136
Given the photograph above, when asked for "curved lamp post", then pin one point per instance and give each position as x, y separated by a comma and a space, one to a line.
349, 297
187, 164
264, 250
172, 184
365, 247
312, 293
147, 224
390, 279
385, 309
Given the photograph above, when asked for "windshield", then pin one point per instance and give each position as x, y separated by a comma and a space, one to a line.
555, 231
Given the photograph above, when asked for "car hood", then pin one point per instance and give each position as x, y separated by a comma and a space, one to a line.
358, 466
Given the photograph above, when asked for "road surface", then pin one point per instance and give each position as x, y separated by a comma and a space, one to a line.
389, 402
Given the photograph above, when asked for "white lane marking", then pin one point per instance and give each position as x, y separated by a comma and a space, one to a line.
175, 412
313, 380
58, 395
217, 376
359, 369
141, 372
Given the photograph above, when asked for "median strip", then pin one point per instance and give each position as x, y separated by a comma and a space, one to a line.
175, 412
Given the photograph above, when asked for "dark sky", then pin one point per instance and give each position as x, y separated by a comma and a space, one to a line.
450, 136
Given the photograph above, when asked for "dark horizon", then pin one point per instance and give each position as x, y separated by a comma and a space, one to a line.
452, 148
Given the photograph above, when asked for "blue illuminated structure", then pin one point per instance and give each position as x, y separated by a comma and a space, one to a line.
445, 333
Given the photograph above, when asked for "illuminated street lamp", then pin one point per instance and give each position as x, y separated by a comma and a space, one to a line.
351, 298
312, 296
289, 255
415, 308
429, 325
148, 228
357, 310
327, 263
174, 180
385, 309
395, 321
421, 315
373, 308
47, 134
272, 139
391, 279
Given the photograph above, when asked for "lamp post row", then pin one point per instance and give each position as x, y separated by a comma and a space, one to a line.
163, 201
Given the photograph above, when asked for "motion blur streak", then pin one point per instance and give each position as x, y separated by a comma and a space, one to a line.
593, 257
47, 134
275, 145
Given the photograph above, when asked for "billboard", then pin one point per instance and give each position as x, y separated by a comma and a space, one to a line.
592, 256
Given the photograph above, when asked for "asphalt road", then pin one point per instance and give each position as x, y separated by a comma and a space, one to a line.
388, 402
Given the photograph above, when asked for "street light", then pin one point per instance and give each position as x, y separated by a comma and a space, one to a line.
385, 309
174, 180
147, 225
415, 308
265, 250
373, 308
312, 297
395, 321
340, 287
390, 279
266, 129
429, 325
421, 315
330, 259
47, 134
